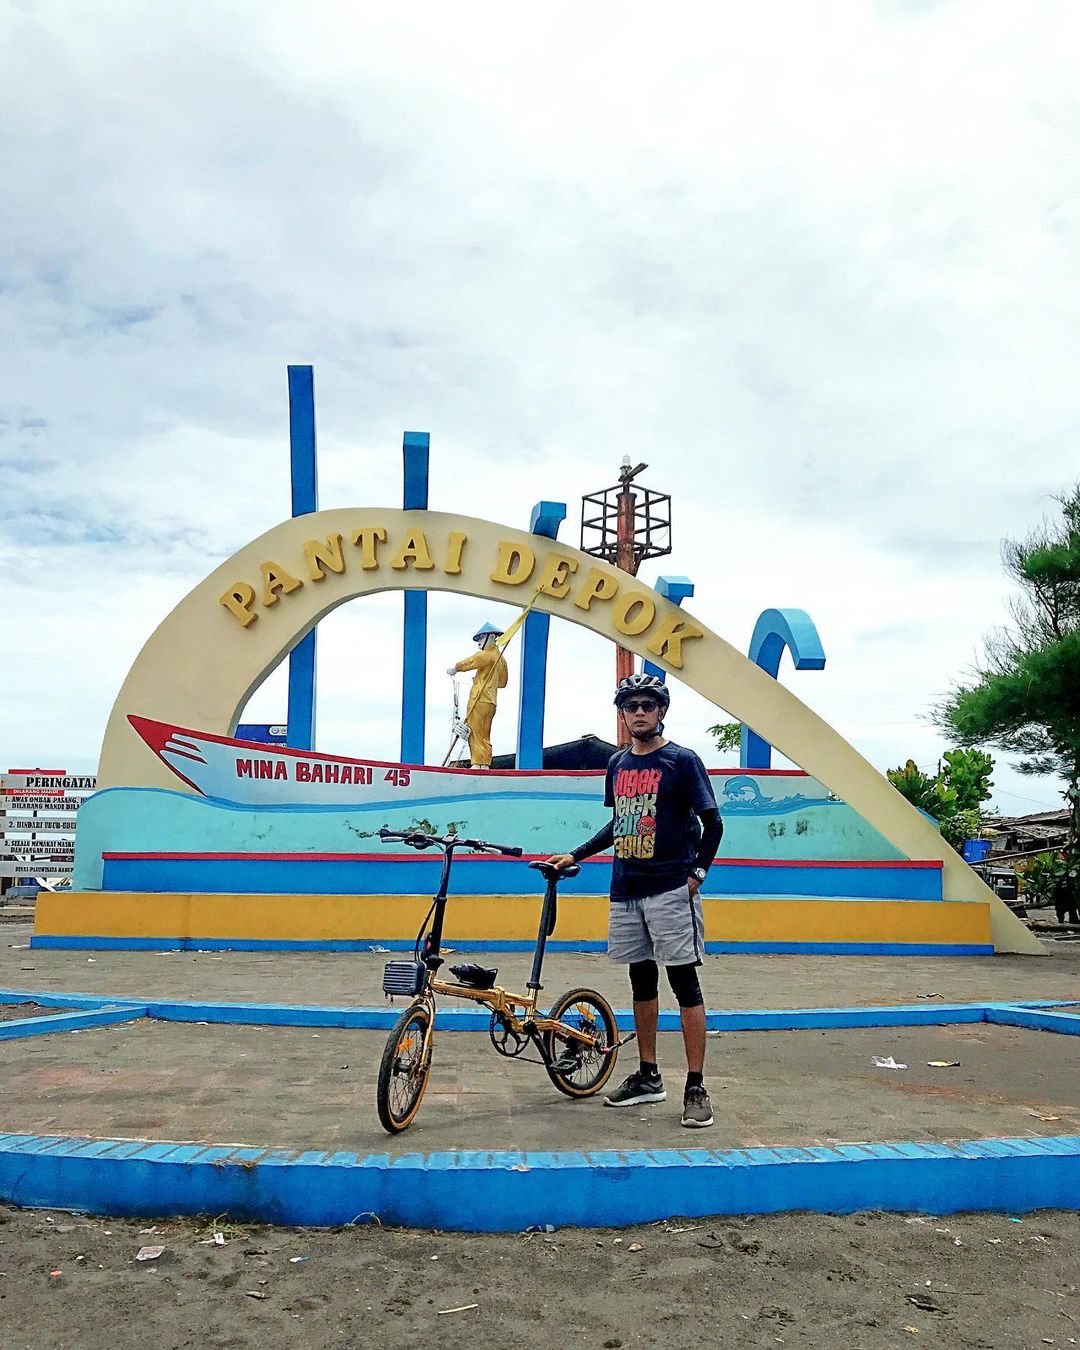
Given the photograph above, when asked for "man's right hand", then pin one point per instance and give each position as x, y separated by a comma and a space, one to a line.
561, 860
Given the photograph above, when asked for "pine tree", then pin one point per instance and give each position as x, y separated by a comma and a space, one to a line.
1025, 699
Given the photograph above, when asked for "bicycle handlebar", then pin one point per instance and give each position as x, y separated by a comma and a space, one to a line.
418, 840
483, 846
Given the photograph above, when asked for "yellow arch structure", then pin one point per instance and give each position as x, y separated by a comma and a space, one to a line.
200, 666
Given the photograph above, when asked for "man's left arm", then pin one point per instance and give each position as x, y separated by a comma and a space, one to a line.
703, 804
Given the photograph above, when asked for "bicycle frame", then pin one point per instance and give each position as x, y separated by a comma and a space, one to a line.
499, 1000
578, 1036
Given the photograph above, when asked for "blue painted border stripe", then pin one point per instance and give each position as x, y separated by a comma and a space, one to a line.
1015, 1015
508, 1191
63, 1000
107, 1015
91, 942
852, 948
365, 875
473, 1019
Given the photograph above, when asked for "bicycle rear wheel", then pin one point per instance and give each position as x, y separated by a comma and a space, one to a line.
586, 1011
404, 1069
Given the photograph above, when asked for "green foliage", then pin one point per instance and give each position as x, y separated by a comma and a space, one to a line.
928, 794
727, 735
951, 796
1046, 878
967, 773
1025, 695
961, 825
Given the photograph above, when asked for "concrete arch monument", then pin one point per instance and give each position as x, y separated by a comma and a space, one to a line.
203, 662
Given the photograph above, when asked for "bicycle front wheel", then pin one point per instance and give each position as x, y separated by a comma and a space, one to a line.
404, 1070
586, 1066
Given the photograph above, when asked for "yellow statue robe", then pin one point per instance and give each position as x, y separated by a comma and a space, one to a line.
491, 676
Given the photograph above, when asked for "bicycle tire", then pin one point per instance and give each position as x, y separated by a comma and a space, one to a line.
596, 1067
404, 1069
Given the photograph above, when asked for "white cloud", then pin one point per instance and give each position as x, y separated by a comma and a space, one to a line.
816, 266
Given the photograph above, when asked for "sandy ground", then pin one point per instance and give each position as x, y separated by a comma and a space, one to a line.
14, 1012
863, 1281
867, 1281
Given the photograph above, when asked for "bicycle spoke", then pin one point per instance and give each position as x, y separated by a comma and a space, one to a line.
404, 1070
585, 1060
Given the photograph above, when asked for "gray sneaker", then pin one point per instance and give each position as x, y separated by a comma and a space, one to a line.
697, 1109
636, 1089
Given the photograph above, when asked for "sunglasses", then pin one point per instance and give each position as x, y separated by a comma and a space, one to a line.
643, 705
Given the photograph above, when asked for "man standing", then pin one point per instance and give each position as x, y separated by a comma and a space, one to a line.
491, 676
658, 793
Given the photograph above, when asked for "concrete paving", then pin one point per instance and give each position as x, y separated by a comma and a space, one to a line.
355, 979
303, 1088
297, 1088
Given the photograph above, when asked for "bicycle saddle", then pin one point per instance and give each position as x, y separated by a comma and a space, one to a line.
550, 873
478, 977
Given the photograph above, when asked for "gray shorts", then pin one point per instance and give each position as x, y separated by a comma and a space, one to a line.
665, 928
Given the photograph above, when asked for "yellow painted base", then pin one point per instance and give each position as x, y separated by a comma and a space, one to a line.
500, 918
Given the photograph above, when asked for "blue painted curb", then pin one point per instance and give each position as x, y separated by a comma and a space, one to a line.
107, 1015
506, 1192
1022, 1015
473, 1019
90, 943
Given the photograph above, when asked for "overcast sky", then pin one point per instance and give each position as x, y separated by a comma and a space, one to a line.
815, 264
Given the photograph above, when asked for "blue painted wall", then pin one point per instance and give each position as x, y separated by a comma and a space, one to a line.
419, 875
761, 820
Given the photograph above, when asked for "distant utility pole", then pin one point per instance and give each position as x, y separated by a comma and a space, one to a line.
624, 525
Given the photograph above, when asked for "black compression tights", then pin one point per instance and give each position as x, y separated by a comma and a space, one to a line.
645, 983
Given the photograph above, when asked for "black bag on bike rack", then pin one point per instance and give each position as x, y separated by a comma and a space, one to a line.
404, 977
479, 977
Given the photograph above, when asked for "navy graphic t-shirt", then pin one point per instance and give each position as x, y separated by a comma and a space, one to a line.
656, 800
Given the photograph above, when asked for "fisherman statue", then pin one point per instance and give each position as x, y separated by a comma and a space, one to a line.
491, 676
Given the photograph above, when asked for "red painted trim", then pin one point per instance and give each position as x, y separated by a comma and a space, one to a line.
155, 734
828, 862
427, 856
491, 857
55, 773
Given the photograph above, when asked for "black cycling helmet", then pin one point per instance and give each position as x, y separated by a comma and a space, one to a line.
643, 684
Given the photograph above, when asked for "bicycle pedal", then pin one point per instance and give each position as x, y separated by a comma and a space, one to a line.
568, 1062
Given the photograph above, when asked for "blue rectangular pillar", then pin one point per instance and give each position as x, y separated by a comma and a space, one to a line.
415, 450
305, 499
675, 589
545, 521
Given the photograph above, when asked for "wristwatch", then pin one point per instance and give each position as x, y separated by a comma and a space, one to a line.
699, 874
